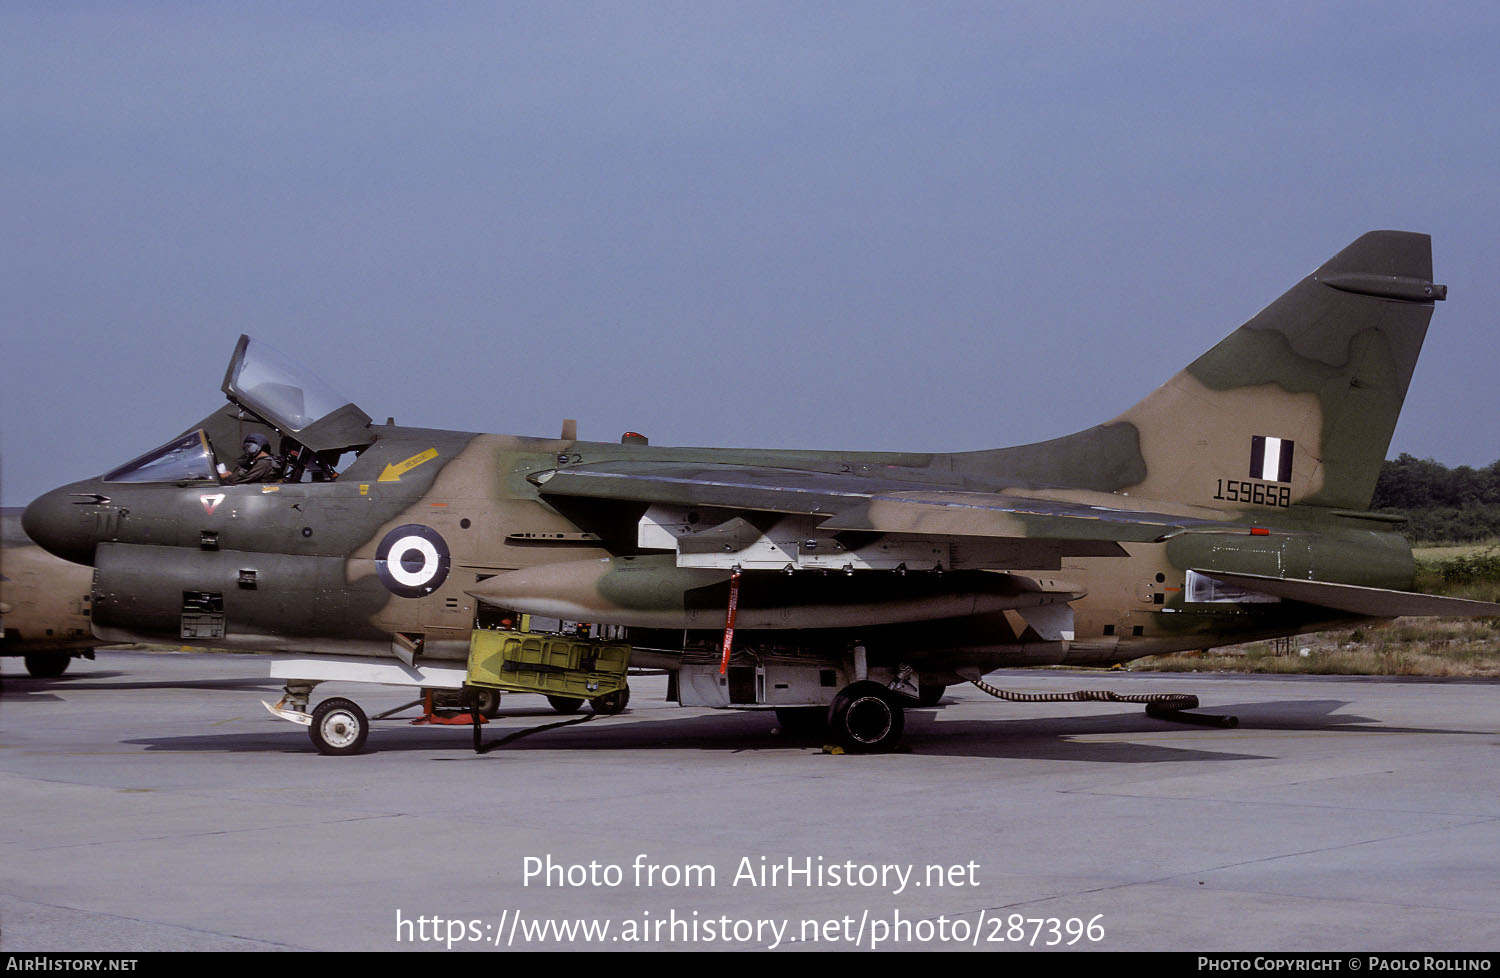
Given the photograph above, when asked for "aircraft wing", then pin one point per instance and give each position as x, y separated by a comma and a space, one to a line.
983, 514
778, 517
766, 488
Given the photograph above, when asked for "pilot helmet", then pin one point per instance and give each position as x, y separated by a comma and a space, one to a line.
255, 443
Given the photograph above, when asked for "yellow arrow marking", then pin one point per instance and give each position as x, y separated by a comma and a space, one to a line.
393, 473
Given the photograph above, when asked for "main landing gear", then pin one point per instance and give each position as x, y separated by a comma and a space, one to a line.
866, 718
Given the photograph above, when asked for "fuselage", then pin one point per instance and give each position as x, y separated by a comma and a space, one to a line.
300, 566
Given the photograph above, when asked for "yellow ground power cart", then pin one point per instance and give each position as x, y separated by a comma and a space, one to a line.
568, 670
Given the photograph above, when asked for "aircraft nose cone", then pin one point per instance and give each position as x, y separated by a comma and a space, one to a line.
59, 524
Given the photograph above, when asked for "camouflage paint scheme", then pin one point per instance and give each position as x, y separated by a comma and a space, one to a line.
44, 603
1075, 550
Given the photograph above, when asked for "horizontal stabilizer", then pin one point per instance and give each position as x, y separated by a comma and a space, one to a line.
1373, 602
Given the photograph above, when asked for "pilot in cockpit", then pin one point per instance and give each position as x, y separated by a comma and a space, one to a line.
257, 464
300, 460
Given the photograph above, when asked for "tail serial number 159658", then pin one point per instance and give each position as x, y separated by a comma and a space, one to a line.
1254, 492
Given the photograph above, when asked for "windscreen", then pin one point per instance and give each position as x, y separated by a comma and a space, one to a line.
185, 459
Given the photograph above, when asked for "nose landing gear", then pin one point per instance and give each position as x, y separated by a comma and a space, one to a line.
338, 727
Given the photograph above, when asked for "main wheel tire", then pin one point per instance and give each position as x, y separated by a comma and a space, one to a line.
611, 703
866, 718
43, 666
564, 704
930, 695
339, 727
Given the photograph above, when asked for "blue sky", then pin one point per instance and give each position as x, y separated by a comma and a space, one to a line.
924, 226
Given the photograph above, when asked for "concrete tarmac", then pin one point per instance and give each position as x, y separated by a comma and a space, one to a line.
148, 802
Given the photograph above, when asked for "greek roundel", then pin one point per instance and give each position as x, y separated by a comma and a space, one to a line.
412, 560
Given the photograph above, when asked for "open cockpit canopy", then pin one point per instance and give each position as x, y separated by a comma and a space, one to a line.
292, 399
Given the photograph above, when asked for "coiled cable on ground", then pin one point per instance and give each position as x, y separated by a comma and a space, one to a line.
1162, 701
1162, 706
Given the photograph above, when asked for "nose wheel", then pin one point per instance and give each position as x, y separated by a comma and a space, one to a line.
339, 727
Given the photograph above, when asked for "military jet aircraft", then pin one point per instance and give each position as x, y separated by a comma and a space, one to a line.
44, 603
1229, 505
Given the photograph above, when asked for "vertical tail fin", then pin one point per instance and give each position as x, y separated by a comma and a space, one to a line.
1305, 396
1296, 406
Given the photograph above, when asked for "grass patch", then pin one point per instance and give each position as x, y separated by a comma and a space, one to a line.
1456, 647
1434, 552
1462, 572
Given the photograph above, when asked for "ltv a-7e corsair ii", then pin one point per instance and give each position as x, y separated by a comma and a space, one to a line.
1229, 505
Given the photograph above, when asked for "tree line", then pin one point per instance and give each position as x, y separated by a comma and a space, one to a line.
1441, 505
